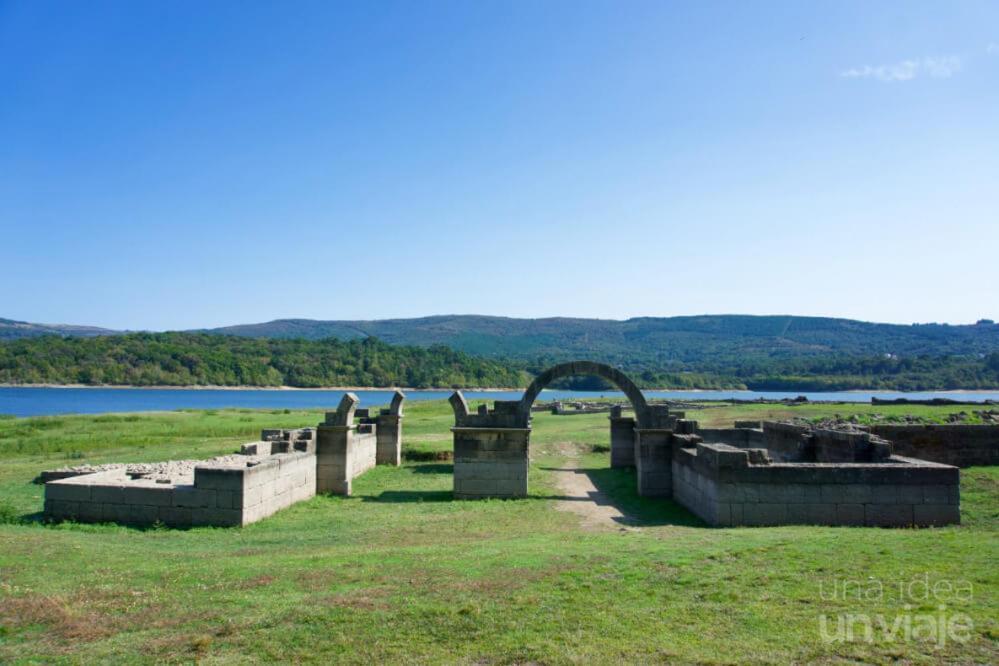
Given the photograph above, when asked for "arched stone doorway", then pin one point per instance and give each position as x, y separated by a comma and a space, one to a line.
491, 445
575, 368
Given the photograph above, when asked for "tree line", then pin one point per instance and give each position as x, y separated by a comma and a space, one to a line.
195, 359
186, 359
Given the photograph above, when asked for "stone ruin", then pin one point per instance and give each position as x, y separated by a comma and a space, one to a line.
284, 467
753, 474
756, 473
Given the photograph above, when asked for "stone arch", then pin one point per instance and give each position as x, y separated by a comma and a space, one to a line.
613, 375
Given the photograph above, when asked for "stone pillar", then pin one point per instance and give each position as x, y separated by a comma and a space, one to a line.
389, 435
333, 456
654, 462
622, 436
389, 432
490, 462
334, 448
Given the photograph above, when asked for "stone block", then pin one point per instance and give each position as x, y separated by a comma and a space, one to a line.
751, 492
219, 478
846, 493
216, 517
801, 514
115, 513
730, 492
764, 513
142, 514
811, 514
850, 514
909, 494
940, 494
148, 496
723, 513
888, 515
67, 491
810, 493
192, 498
260, 475
176, 516
511, 487
228, 499
90, 512
474, 486
884, 494
62, 509
655, 484
936, 514
775, 493
107, 494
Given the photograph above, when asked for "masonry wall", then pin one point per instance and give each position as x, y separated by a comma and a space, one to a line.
222, 496
741, 437
784, 441
719, 484
342, 454
622, 436
490, 462
959, 445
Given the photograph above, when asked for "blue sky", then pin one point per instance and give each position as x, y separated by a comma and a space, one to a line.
168, 165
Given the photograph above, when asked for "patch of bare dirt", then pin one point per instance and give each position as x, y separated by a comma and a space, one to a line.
582, 498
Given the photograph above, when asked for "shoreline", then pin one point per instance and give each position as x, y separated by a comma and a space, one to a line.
208, 387
131, 387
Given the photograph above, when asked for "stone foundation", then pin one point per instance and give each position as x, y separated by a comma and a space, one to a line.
284, 467
721, 484
221, 495
959, 445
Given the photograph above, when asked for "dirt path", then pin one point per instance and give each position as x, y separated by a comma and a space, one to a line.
583, 499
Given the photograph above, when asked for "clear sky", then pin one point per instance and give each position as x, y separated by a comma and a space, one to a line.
181, 164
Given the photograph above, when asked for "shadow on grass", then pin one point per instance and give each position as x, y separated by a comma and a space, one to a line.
436, 468
619, 488
39, 519
406, 496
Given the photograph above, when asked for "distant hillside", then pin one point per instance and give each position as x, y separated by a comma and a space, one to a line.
660, 342
711, 351
14, 330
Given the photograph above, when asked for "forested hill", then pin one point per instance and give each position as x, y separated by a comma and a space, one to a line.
645, 341
649, 341
15, 330
185, 359
188, 359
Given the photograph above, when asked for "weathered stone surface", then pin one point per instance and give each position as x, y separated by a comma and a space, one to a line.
888, 515
936, 514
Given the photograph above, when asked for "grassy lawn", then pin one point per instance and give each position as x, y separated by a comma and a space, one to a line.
401, 573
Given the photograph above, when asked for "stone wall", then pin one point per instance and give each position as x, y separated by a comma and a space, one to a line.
784, 441
491, 453
959, 445
725, 485
622, 437
744, 437
822, 445
342, 454
229, 495
490, 462
284, 467
345, 450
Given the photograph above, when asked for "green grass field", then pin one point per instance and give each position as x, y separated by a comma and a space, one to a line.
401, 573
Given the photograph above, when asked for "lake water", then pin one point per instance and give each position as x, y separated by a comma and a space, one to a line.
48, 401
